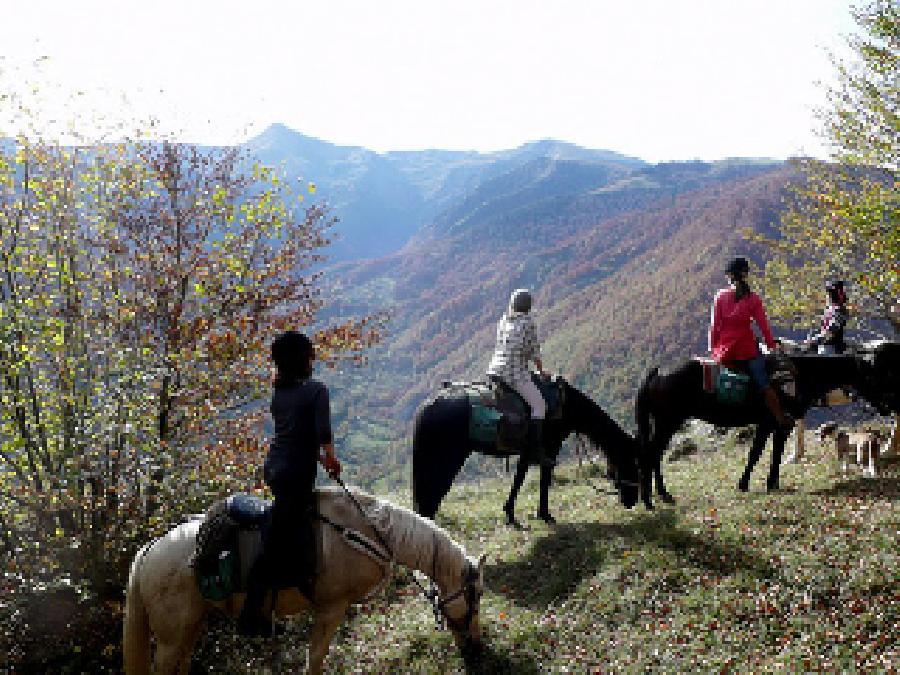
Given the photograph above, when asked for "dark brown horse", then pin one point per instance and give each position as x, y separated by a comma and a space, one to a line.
665, 401
441, 445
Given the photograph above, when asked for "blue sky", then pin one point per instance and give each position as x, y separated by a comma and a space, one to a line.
659, 79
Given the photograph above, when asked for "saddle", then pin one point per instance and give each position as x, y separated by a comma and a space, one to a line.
731, 383
230, 539
228, 542
499, 417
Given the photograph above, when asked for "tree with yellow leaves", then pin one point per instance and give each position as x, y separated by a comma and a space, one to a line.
843, 219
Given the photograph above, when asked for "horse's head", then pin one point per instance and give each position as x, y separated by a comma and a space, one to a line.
878, 365
625, 475
461, 607
582, 415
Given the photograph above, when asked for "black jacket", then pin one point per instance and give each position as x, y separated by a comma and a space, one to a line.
301, 412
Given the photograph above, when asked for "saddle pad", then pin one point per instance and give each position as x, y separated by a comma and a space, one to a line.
220, 581
732, 387
483, 420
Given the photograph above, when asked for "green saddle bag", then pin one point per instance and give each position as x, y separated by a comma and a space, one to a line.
732, 387
222, 580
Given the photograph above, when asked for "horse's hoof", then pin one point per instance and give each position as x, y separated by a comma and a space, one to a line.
667, 498
546, 517
743, 485
511, 520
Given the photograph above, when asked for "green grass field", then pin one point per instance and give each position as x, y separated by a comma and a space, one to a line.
804, 580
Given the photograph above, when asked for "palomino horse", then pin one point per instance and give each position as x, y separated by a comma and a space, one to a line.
441, 445
162, 598
664, 402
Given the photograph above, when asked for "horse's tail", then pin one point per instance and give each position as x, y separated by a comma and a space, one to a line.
440, 448
136, 629
642, 409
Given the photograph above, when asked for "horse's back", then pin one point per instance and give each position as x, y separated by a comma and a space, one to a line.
440, 416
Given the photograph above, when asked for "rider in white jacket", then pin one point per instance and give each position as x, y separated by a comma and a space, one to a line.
517, 345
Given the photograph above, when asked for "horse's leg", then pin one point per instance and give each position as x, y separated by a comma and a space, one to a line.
647, 464
509, 508
174, 655
778, 441
176, 619
759, 442
544, 507
646, 467
327, 620
660, 443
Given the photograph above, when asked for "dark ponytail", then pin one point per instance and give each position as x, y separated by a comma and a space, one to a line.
737, 271
741, 287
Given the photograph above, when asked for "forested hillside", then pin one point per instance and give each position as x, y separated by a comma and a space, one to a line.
383, 199
623, 267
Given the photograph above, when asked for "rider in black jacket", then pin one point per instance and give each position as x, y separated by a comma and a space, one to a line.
300, 411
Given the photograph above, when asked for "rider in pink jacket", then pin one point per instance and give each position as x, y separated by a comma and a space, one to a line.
731, 338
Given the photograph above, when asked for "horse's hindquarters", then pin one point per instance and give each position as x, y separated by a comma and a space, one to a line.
440, 448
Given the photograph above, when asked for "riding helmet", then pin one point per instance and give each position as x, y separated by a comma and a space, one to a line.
520, 300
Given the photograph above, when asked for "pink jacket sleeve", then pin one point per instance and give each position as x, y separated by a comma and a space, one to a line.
715, 324
759, 315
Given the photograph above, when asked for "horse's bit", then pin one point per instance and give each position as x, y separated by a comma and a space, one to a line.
469, 590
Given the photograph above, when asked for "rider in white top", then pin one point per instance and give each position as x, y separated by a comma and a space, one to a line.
517, 345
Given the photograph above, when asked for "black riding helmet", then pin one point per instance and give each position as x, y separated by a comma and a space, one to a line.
738, 267
520, 300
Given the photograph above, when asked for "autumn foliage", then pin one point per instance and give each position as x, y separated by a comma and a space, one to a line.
140, 286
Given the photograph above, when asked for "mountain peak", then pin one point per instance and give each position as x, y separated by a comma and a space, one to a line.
556, 149
275, 134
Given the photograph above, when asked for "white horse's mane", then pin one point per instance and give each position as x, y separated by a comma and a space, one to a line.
416, 541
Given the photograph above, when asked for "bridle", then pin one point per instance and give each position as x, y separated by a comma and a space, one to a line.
470, 589
617, 482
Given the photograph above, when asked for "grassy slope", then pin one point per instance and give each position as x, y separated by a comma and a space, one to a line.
722, 581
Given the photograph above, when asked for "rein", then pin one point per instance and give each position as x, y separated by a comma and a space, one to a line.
433, 595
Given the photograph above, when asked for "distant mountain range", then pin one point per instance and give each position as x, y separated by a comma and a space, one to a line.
623, 257
383, 199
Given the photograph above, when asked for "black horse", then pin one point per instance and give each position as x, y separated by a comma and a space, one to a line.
441, 445
665, 402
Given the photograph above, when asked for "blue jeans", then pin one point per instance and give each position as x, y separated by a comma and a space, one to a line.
757, 368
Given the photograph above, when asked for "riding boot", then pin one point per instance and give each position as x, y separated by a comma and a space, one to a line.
307, 555
253, 621
536, 442
783, 420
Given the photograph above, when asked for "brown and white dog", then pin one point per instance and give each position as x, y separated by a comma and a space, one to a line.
862, 448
